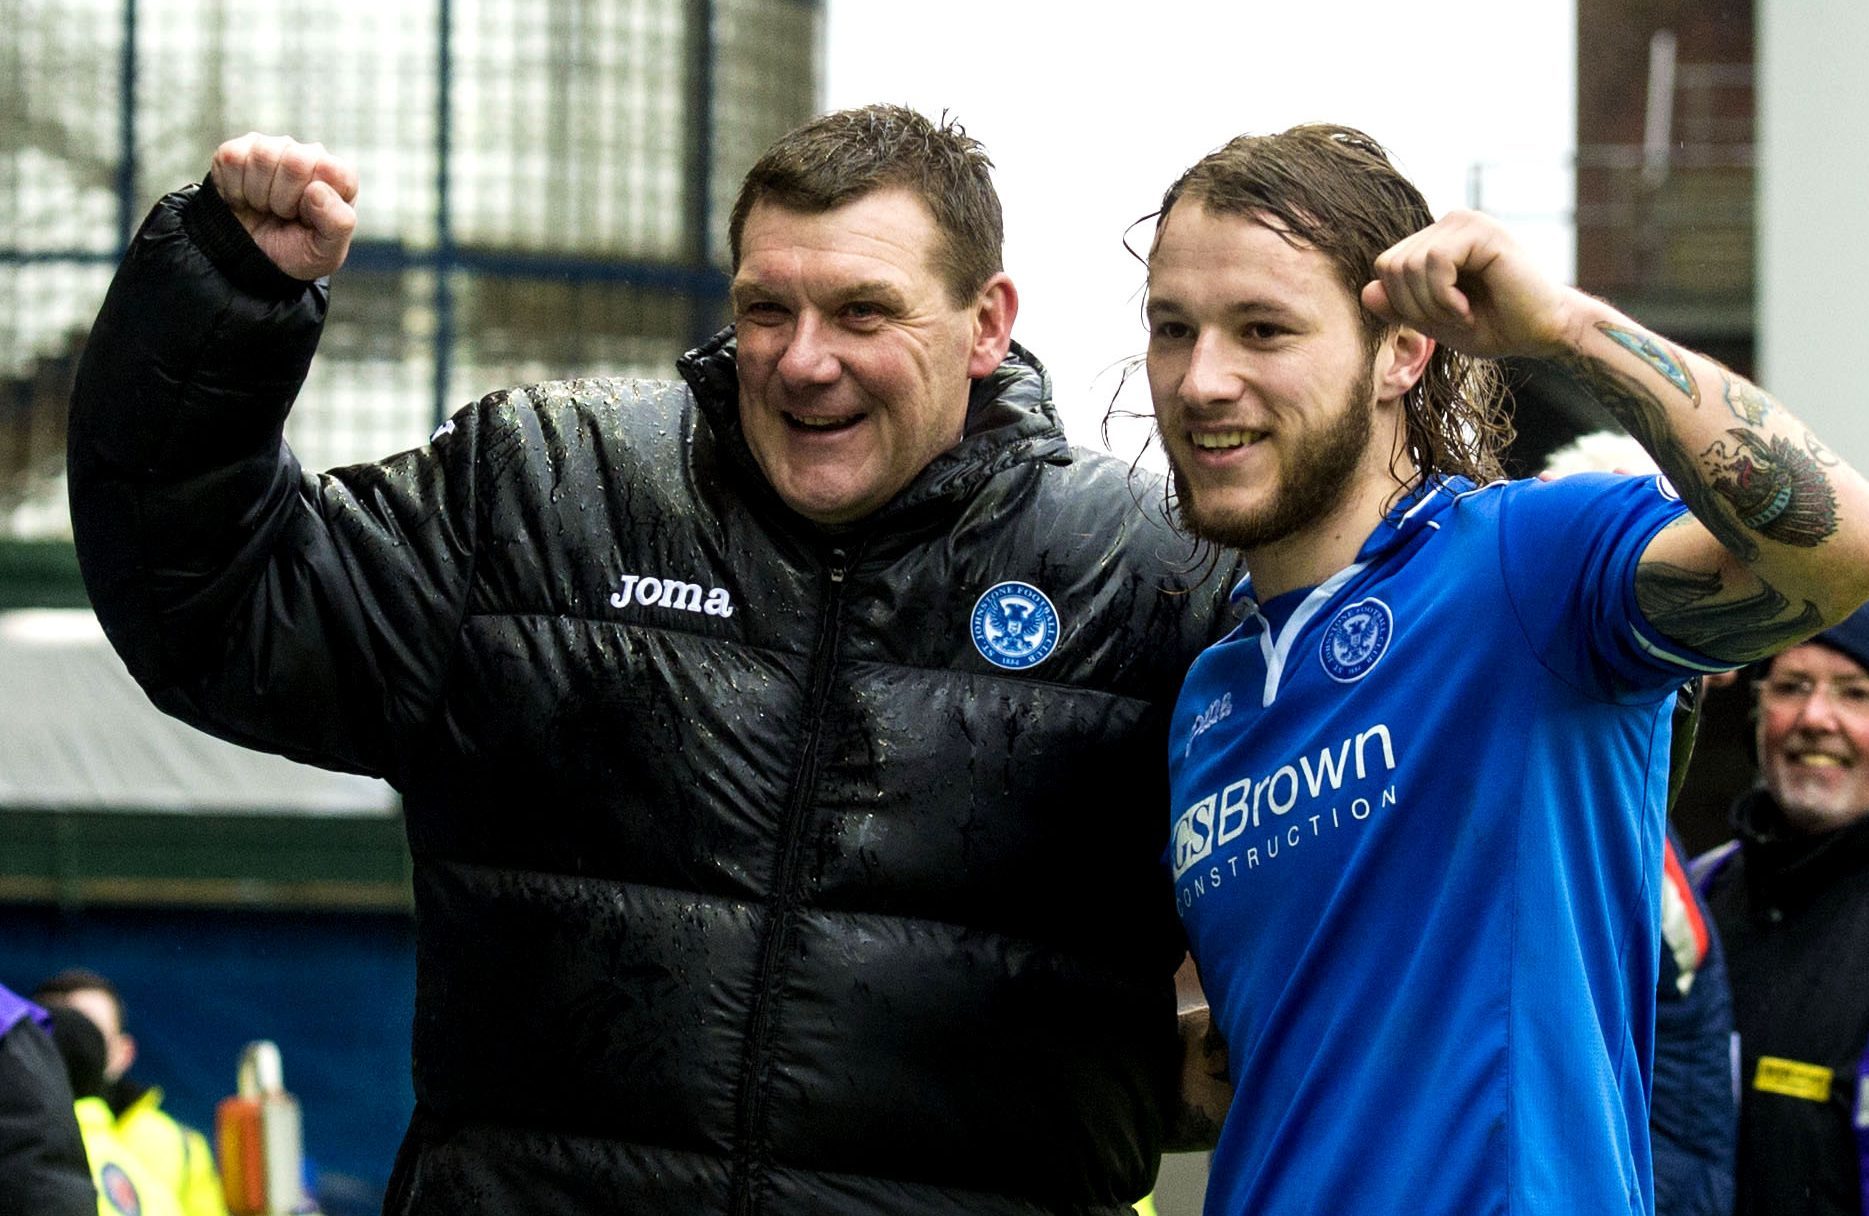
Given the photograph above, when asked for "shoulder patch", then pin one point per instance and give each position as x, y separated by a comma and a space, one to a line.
118, 1190
1015, 626
1356, 639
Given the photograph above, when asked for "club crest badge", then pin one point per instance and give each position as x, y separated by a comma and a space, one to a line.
1356, 639
118, 1190
1014, 626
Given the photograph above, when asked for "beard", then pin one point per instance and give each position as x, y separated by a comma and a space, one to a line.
1810, 803
1312, 480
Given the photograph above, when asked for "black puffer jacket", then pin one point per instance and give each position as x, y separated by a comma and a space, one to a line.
744, 882
43, 1169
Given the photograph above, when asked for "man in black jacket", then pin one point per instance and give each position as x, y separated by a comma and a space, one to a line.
782, 749
1791, 899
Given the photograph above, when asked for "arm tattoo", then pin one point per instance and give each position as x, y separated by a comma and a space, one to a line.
1749, 403
1685, 605
1656, 354
1192, 1129
1206, 1093
1645, 418
1821, 454
1775, 488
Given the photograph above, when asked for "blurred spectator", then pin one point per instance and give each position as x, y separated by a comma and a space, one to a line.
125, 1185
1693, 1108
175, 1153
1791, 899
42, 1163
1599, 452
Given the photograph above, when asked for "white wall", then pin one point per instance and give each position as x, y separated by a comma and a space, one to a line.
1813, 217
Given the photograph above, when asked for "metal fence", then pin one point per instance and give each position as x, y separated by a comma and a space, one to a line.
545, 187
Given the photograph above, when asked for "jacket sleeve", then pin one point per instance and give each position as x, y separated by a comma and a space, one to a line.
309, 615
43, 1169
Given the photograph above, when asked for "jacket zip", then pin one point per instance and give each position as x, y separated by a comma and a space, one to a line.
749, 1153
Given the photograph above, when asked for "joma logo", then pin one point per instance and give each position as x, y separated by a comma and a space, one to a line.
652, 592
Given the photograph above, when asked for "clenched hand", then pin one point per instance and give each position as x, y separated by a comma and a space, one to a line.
294, 199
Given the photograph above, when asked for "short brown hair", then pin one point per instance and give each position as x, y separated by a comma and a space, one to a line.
839, 157
57, 989
1334, 189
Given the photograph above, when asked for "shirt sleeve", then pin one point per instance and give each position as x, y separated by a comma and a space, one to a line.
1569, 549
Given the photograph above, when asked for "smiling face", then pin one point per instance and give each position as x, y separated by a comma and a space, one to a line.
854, 362
1813, 736
1276, 413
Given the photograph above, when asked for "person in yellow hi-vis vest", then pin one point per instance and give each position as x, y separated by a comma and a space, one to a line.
126, 1185
177, 1155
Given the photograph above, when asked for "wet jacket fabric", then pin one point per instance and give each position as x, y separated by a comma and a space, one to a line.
745, 880
1793, 913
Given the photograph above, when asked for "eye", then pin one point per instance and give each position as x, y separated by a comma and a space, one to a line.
762, 312
1171, 331
1787, 690
1855, 695
1262, 331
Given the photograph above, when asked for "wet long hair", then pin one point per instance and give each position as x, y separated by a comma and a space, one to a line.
1334, 189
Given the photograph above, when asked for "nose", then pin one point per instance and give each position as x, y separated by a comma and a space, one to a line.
1819, 711
808, 357
1210, 377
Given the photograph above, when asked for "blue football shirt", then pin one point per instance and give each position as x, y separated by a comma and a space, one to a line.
1417, 835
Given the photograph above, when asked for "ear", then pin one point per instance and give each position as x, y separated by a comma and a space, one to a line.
994, 310
122, 1055
1401, 361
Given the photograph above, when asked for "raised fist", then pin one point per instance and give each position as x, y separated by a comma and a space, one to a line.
295, 200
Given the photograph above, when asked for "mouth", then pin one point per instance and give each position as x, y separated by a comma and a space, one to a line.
819, 424
1817, 760
1224, 441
